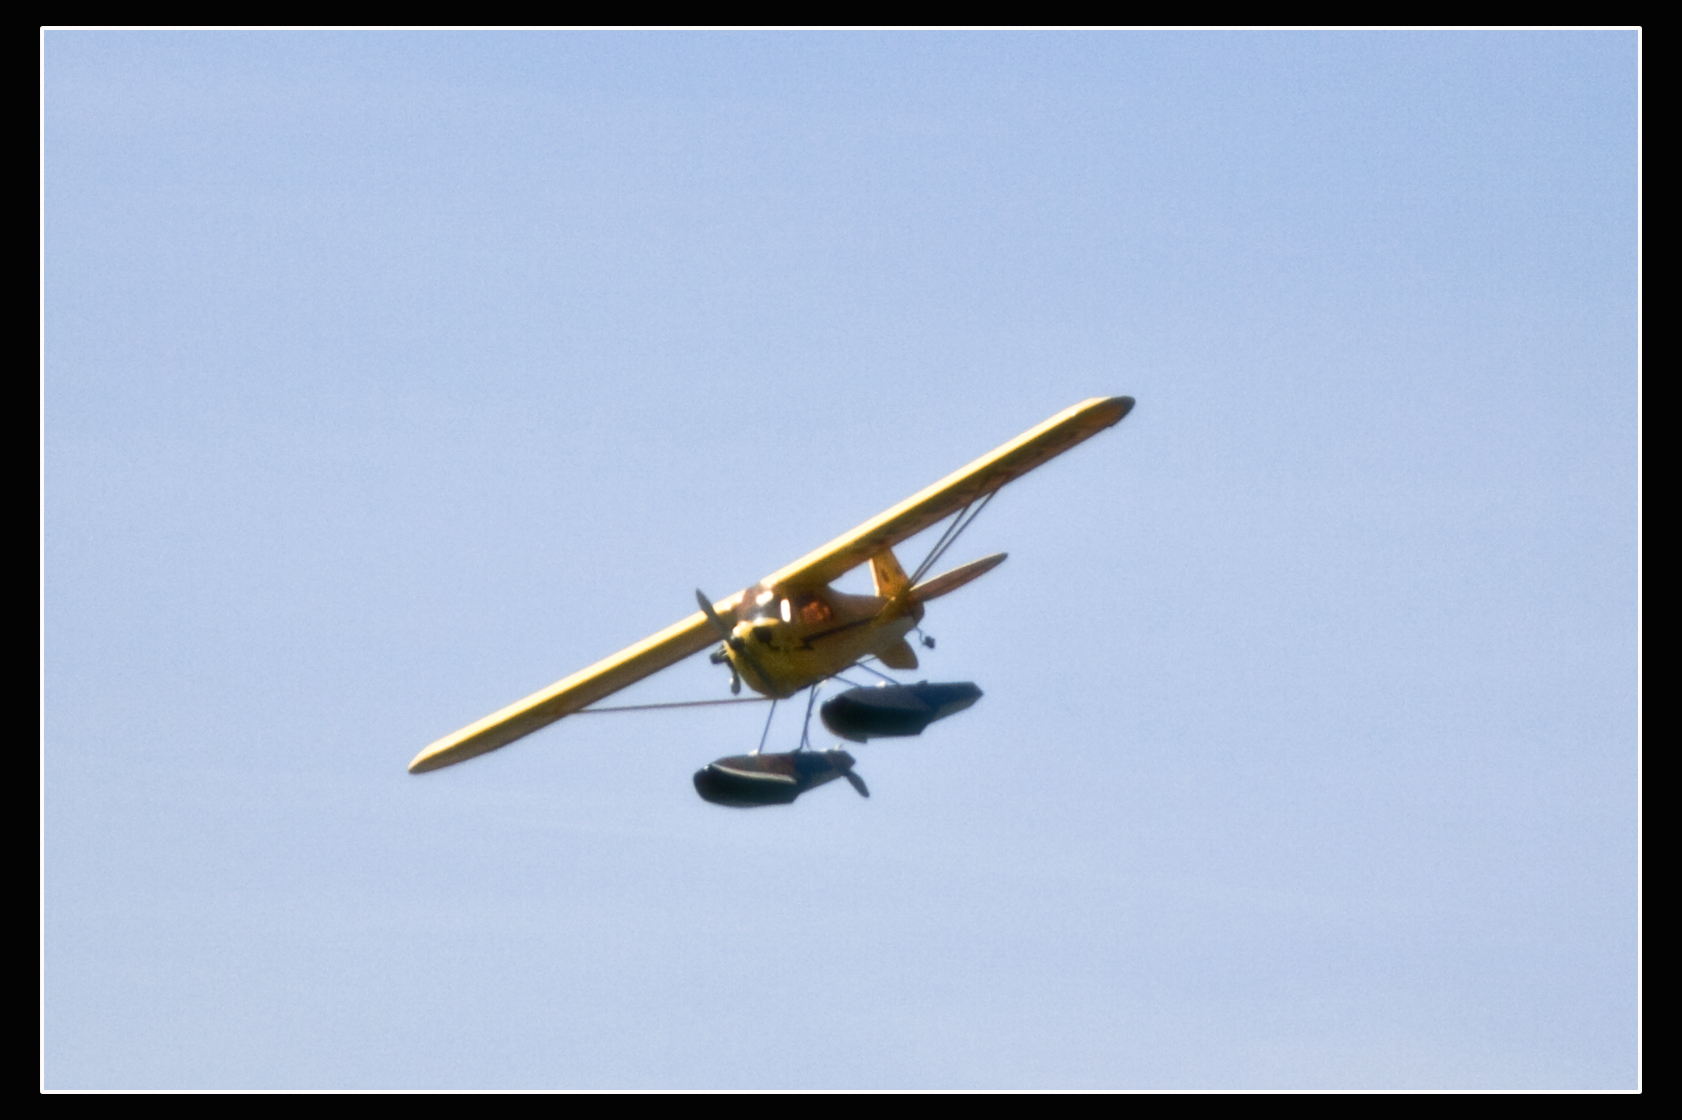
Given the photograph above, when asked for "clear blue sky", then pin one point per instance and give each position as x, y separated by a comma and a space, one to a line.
390, 377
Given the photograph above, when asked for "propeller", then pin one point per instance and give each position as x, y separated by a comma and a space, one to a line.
730, 640
857, 783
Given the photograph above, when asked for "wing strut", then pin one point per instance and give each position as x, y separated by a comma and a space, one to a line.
806, 728
768, 717
959, 524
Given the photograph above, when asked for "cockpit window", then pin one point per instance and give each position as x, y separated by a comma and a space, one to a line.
802, 607
812, 610
757, 605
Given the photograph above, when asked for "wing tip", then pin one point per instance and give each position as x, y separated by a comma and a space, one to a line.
425, 761
439, 755
1118, 407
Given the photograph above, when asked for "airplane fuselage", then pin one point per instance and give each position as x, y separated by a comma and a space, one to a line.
801, 637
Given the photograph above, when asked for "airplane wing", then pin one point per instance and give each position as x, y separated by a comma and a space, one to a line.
844, 553
604, 678
952, 493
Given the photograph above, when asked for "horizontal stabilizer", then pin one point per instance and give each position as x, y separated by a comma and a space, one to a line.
956, 578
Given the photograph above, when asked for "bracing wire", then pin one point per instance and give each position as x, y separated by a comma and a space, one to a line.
675, 704
959, 523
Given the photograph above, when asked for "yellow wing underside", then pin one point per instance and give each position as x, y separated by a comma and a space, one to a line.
695, 633
585, 687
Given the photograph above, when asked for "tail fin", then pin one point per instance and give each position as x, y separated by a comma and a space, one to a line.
889, 577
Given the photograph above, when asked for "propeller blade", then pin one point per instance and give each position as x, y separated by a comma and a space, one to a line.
857, 783
730, 640
712, 615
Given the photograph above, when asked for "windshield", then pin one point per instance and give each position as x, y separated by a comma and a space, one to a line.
757, 604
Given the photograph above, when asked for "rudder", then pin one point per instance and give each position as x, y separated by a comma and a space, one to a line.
890, 579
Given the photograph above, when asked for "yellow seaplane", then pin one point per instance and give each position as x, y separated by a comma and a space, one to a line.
792, 631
